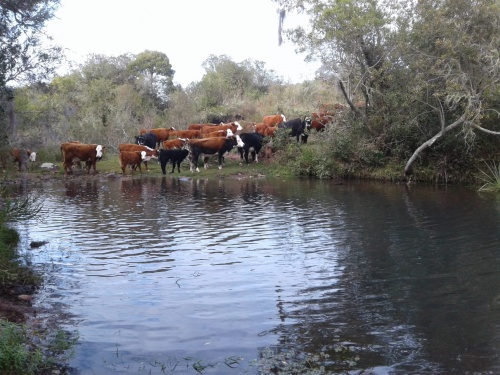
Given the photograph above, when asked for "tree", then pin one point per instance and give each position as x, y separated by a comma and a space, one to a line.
422, 68
24, 55
156, 74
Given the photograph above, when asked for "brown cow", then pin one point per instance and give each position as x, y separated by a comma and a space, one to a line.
210, 146
219, 133
266, 131
132, 159
234, 126
191, 134
273, 120
150, 152
171, 144
162, 134
199, 126
89, 153
21, 157
320, 123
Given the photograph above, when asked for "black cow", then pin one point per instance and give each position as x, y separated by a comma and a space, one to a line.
298, 128
251, 141
176, 156
148, 139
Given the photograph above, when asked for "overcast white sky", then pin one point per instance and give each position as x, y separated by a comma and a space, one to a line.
187, 31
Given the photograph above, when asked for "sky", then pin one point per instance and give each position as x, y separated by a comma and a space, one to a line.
187, 31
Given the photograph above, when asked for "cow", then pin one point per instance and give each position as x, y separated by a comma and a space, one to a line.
273, 120
297, 127
162, 134
251, 141
132, 159
150, 152
265, 130
219, 133
199, 126
177, 143
148, 139
89, 153
320, 123
211, 146
175, 156
21, 156
190, 134
234, 126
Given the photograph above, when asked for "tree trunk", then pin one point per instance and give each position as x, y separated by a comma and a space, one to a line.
430, 142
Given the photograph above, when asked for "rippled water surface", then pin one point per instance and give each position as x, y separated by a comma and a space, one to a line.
164, 275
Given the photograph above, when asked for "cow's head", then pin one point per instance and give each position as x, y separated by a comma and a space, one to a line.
283, 117
238, 126
99, 151
32, 156
229, 133
144, 156
307, 122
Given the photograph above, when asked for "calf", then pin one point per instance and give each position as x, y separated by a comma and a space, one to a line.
234, 126
210, 146
132, 159
178, 143
251, 141
175, 156
150, 152
89, 153
297, 128
21, 157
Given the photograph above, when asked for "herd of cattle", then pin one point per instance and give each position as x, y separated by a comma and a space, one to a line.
174, 146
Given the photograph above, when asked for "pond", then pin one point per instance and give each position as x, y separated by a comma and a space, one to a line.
165, 275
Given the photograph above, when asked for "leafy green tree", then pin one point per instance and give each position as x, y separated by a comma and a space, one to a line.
155, 73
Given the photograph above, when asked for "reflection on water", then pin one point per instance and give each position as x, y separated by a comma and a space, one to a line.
379, 277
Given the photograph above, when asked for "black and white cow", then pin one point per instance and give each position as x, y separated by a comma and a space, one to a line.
148, 139
252, 141
298, 128
211, 146
176, 156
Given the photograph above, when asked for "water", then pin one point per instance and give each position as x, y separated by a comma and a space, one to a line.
164, 275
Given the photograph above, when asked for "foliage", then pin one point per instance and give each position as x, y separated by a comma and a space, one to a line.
15, 356
418, 69
24, 52
491, 178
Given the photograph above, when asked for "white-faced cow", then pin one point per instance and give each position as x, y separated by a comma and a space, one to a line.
176, 156
150, 152
89, 153
132, 159
273, 120
298, 128
211, 146
252, 141
22, 157
234, 126
177, 143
